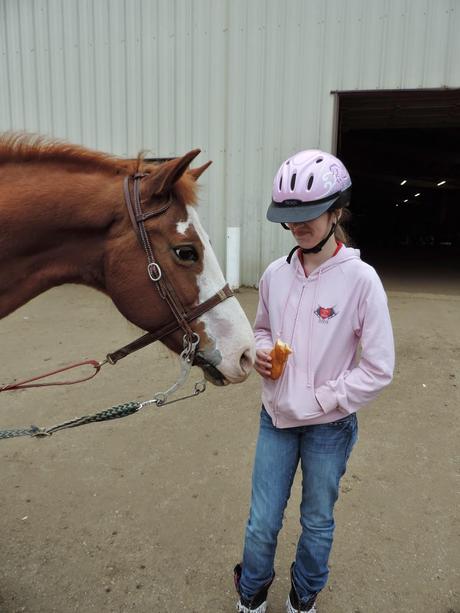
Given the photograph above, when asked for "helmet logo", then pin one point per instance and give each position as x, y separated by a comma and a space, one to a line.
335, 176
329, 180
324, 314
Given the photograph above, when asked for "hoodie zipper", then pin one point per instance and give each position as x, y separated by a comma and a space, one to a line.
310, 339
277, 393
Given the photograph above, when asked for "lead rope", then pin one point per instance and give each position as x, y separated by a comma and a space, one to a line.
129, 408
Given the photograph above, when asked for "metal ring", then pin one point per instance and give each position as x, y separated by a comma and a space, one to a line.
153, 266
200, 387
160, 399
193, 341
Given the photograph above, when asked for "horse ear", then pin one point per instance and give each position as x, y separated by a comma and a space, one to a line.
168, 173
197, 172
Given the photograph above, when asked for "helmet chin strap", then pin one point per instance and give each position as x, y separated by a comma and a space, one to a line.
316, 249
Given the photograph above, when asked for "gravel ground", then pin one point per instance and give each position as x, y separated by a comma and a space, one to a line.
147, 513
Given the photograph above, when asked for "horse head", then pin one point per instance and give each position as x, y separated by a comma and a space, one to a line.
185, 260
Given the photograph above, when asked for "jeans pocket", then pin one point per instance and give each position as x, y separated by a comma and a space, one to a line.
344, 421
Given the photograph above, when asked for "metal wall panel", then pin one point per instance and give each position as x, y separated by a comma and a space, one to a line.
247, 81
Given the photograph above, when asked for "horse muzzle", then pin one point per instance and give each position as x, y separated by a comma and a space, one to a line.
207, 364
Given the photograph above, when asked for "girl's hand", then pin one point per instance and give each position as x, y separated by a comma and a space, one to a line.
263, 362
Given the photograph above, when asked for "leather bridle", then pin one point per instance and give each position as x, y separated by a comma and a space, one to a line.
182, 319
182, 315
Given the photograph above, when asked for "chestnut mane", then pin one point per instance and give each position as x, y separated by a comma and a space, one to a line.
17, 147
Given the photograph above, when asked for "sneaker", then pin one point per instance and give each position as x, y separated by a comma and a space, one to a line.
256, 604
242, 608
291, 609
293, 602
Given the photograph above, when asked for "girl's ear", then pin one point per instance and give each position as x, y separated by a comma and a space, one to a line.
338, 215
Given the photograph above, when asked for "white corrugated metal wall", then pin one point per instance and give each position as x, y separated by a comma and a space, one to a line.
247, 81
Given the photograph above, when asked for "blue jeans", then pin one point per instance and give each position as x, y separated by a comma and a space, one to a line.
323, 451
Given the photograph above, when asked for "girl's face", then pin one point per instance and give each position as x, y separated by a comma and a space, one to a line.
310, 233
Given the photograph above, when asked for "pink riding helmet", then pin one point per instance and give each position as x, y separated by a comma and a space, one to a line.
308, 184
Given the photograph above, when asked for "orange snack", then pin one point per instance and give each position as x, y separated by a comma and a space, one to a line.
279, 355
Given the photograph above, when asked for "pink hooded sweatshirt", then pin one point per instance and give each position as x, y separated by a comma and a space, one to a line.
323, 317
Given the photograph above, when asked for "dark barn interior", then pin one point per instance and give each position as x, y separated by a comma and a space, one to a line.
402, 149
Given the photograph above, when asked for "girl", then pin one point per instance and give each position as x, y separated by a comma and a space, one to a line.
322, 300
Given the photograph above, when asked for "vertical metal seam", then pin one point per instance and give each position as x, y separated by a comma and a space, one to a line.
109, 71
226, 87
257, 265
125, 89
21, 64
157, 61
7, 67
175, 101
321, 72
449, 44
404, 46
422, 79
64, 73
79, 72
141, 66
363, 18
94, 60
341, 49
383, 46
50, 68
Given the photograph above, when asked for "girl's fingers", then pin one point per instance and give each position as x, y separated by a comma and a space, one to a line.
263, 370
263, 362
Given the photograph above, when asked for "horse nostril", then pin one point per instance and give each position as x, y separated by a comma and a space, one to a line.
246, 361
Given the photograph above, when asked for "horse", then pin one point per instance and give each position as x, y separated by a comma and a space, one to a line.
67, 215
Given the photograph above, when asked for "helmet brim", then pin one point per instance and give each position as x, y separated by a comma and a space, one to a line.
280, 212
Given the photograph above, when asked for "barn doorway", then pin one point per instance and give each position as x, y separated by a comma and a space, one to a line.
402, 149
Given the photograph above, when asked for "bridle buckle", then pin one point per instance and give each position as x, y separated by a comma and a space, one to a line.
154, 271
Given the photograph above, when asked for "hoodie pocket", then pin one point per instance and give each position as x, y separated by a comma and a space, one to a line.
293, 397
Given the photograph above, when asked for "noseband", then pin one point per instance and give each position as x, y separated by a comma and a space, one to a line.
182, 315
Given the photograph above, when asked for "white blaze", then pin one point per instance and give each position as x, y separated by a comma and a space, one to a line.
226, 324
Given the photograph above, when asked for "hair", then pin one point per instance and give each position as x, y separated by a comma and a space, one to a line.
341, 232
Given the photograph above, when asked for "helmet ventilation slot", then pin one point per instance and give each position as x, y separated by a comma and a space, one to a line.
293, 178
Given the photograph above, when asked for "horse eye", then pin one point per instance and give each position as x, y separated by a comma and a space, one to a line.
186, 254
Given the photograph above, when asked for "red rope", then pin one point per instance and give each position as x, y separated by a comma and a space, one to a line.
29, 382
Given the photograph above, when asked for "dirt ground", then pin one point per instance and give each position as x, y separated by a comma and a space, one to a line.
147, 513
